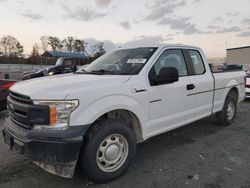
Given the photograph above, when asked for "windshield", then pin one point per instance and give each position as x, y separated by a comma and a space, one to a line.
121, 62
59, 62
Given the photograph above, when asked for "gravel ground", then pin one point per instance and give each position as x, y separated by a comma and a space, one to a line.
201, 154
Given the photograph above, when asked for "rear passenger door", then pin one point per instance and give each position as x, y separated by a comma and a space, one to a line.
203, 82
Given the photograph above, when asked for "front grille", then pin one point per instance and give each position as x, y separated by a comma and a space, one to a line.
19, 123
20, 98
19, 116
247, 86
247, 94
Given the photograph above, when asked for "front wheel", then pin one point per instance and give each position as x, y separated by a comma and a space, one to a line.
227, 115
107, 151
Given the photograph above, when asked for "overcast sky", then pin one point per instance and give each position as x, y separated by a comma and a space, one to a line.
211, 24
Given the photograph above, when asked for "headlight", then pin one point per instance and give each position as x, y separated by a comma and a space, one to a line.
59, 113
51, 73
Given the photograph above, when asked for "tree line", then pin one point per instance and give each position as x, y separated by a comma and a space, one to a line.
10, 47
70, 44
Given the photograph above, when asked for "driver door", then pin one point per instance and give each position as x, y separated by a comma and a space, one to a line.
170, 106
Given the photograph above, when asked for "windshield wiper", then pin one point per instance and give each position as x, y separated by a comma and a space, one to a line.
102, 71
81, 71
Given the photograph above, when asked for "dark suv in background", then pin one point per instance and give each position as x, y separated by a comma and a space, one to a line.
62, 66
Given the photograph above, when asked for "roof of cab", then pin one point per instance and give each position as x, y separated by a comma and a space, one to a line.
159, 46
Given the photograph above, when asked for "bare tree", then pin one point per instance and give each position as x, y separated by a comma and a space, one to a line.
80, 45
69, 43
54, 42
97, 49
44, 41
11, 46
35, 50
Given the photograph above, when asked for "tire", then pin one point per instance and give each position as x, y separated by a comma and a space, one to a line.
227, 115
108, 148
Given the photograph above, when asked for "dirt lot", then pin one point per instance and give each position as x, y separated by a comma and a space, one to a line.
202, 154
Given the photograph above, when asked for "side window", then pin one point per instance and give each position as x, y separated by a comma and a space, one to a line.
197, 62
68, 62
171, 58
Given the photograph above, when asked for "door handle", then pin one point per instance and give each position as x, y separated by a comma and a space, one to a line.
190, 86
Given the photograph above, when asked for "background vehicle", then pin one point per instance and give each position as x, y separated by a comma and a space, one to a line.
4, 91
245, 67
248, 86
98, 114
232, 67
62, 66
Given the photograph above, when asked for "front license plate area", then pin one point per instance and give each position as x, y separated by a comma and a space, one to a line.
9, 140
13, 143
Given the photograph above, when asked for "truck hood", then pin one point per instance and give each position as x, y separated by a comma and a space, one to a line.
60, 86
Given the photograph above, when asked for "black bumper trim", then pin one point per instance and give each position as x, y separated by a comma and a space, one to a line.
3, 104
47, 146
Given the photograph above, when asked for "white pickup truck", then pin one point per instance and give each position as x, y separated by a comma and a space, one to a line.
98, 115
248, 86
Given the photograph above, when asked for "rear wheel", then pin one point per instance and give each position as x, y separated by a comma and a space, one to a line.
227, 115
107, 151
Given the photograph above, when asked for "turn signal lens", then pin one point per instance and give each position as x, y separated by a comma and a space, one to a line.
52, 112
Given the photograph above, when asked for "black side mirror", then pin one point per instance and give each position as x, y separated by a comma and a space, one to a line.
167, 75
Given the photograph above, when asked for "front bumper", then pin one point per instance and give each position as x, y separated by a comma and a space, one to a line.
56, 151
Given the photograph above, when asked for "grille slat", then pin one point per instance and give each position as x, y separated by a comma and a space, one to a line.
20, 98
20, 124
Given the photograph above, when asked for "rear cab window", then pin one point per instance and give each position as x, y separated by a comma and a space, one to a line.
197, 62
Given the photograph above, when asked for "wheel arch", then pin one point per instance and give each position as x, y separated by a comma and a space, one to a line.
235, 92
128, 117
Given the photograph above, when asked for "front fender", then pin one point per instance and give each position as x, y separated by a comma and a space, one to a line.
87, 115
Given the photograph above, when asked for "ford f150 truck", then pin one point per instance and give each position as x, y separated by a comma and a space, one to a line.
97, 115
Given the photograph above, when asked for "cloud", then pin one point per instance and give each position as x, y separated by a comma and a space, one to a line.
161, 8
103, 3
164, 7
217, 19
108, 45
181, 24
229, 29
135, 42
219, 30
244, 34
65, 7
232, 14
32, 16
125, 25
80, 13
246, 21
84, 14
145, 41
